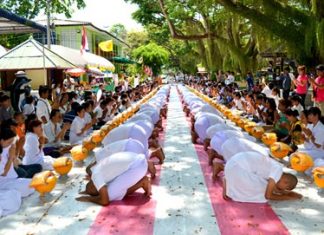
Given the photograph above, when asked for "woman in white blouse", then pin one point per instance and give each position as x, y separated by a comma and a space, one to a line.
79, 127
34, 144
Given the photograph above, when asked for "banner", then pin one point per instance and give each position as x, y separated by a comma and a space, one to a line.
107, 46
84, 41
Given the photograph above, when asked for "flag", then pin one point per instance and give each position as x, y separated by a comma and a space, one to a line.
84, 41
107, 46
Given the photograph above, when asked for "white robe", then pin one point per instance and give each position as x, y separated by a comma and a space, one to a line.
236, 145
34, 155
127, 145
247, 175
220, 137
204, 122
212, 130
10, 202
11, 180
77, 125
119, 172
126, 131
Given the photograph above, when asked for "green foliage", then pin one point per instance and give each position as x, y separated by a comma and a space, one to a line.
31, 8
230, 34
153, 56
119, 31
11, 40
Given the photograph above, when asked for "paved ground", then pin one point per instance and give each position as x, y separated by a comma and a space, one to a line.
184, 201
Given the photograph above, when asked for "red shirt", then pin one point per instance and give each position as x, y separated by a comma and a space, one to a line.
300, 89
319, 91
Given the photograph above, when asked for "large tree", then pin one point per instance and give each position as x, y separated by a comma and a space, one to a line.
31, 8
119, 31
299, 23
153, 56
241, 27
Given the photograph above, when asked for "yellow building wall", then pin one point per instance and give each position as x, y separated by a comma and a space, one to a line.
37, 77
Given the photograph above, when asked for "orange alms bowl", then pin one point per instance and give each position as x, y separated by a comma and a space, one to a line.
97, 136
44, 182
79, 153
88, 144
280, 150
249, 126
269, 138
63, 165
318, 174
301, 161
257, 132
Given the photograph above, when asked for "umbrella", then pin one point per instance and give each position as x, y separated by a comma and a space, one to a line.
75, 72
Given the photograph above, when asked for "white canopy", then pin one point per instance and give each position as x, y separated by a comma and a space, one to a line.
85, 60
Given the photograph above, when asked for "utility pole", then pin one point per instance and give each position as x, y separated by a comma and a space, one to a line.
48, 31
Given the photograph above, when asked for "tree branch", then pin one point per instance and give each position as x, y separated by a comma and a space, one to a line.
265, 21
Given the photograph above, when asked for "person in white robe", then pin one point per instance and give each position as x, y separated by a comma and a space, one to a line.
126, 131
115, 177
79, 127
202, 124
314, 133
233, 146
212, 130
33, 147
252, 177
219, 138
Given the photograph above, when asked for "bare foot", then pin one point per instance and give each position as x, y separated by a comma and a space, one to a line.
151, 169
217, 168
147, 186
211, 156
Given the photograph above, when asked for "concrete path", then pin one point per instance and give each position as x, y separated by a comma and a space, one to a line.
183, 204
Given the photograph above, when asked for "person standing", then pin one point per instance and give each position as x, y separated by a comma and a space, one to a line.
301, 83
43, 107
286, 83
318, 86
249, 81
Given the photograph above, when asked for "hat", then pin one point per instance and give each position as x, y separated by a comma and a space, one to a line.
20, 74
320, 67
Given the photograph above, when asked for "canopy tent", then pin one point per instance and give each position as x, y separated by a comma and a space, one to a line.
12, 23
85, 60
32, 55
123, 60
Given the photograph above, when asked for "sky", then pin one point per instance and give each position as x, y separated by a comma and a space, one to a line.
104, 13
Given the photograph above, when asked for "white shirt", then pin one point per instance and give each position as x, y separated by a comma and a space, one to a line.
239, 103
33, 155
76, 128
230, 79
98, 111
28, 109
11, 174
299, 108
99, 94
247, 175
51, 131
318, 133
267, 91
43, 108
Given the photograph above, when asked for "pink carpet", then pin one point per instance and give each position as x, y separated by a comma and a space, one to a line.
234, 217
134, 215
